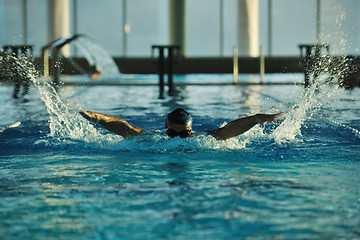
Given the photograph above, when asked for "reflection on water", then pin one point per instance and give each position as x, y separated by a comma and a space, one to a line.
254, 99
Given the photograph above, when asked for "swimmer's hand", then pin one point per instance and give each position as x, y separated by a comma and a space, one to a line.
91, 116
264, 118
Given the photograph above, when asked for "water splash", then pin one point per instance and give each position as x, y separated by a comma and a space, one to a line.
311, 101
63, 121
95, 54
314, 97
159, 143
298, 113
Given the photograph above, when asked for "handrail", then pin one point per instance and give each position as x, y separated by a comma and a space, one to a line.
55, 45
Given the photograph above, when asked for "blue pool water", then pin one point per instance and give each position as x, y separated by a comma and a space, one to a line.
64, 178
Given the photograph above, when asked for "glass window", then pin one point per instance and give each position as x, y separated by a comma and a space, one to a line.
339, 25
211, 25
102, 21
264, 27
294, 23
37, 25
230, 26
203, 28
11, 22
147, 23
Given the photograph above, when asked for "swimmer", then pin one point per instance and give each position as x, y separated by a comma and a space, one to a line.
179, 123
94, 71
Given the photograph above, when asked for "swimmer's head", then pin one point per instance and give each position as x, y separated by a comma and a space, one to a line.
178, 117
95, 71
178, 123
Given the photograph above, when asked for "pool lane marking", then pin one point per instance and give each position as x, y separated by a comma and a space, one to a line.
334, 123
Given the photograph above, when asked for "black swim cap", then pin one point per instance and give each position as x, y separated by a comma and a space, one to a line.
178, 116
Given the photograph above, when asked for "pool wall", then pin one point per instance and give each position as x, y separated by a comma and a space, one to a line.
196, 65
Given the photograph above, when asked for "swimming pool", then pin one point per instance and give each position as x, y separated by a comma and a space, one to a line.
64, 178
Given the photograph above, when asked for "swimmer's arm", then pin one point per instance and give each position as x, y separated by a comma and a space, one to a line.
113, 124
242, 125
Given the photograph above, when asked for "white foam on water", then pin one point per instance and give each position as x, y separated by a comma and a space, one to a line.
63, 120
164, 144
295, 117
318, 93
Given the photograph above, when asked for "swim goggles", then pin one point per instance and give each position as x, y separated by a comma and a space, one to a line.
183, 134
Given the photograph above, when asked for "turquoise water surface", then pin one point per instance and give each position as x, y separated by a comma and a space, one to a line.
62, 177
